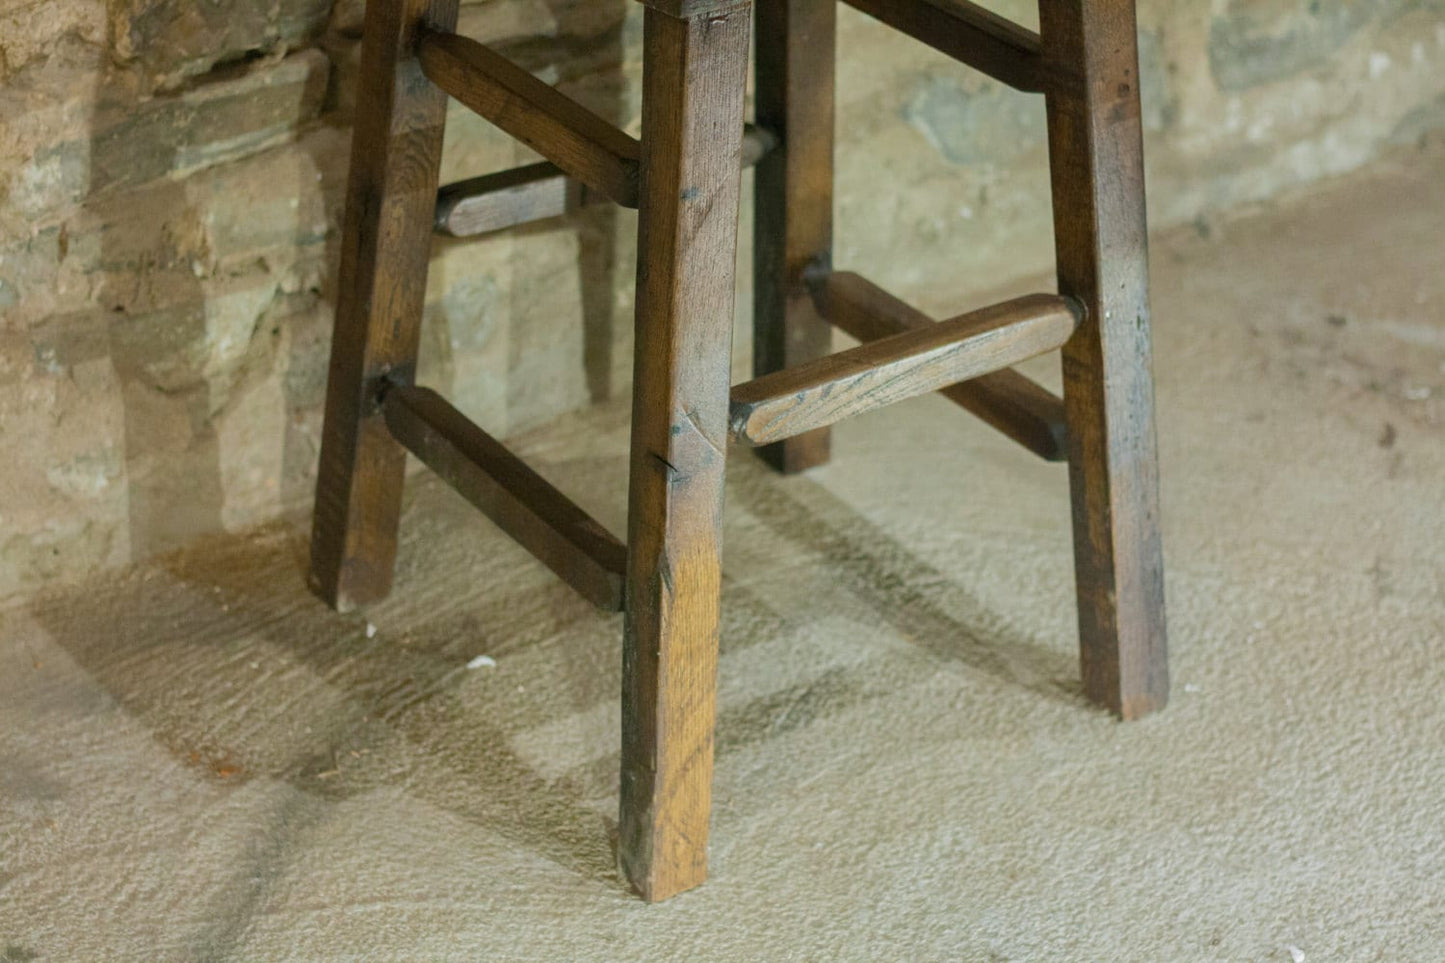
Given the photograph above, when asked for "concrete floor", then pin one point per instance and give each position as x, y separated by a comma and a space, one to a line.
198, 761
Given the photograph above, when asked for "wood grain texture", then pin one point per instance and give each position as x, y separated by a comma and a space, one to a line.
968, 33
546, 120
688, 9
895, 368
495, 202
395, 154
522, 503
694, 75
1017, 406
1096, 153
793, 189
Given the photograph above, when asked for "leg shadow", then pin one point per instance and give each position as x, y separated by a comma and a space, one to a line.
239, 673
904, 591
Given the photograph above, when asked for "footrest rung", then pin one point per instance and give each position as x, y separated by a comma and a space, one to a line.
521, 503
969, 34
818, 393
551, 123
1021, 408
495, 202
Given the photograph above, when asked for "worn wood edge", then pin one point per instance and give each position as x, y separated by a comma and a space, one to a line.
504, 488
801, 398
970, 34
688, 9
495, 202
608, 158
1006, 400
537, 192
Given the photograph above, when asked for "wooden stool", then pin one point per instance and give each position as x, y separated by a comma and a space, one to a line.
684, 176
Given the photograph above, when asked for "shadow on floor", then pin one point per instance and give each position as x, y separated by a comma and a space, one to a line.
239, 672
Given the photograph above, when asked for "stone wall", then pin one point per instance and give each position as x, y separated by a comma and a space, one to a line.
171, 174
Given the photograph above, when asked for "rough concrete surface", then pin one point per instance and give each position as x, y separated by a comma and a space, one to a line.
199, 761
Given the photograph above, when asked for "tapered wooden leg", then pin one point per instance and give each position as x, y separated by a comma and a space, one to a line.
390, 200
1095, 144
796, 49
692, 122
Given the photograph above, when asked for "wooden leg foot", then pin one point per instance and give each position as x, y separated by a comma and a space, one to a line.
1095, 142
391, 196
692, 123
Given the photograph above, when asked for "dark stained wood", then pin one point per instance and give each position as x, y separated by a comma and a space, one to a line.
1017, 406
385, 244
902, 366
694, 75
968, 33
522, 503
793, 189
551, 123
495, 202
1096, 152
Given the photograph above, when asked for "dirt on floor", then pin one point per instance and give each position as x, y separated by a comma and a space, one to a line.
198, 761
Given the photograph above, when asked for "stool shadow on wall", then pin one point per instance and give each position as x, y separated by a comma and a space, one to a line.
152, 305
212, 203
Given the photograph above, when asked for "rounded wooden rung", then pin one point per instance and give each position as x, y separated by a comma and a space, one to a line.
819, 393
1017, 406
495, 202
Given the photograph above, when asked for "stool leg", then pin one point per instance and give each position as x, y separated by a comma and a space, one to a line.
793, 226
1096, 152
694, 72
385, 245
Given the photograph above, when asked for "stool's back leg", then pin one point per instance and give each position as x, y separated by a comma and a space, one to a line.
694, 74
793, 225
1096, 152
385, 245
